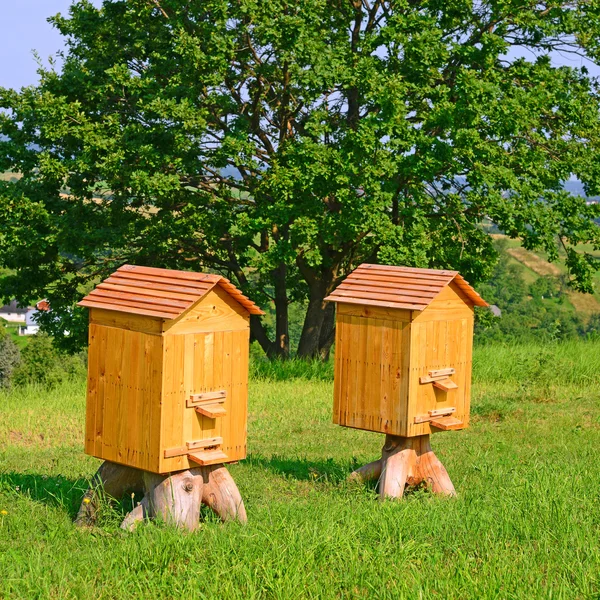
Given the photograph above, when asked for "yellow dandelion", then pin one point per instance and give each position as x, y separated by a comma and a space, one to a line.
3, 512
86, 500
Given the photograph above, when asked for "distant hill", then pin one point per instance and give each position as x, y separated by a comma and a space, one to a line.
575, 188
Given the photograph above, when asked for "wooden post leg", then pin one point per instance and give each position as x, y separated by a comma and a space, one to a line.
398, 464
406, 461
113, 480
175, 499
222, 494
432, 470
370, 472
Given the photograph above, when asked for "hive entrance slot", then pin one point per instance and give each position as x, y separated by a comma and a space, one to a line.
193, 446
446, 423
208, 457
435, 414
208, 404
445, 384
440, 379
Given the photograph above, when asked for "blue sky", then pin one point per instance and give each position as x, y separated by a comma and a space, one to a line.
24, 28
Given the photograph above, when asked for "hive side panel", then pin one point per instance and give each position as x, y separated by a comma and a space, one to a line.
173, 399
208, 362
441, 338
95, 347
112, 318
371, 373
467, 348
113, 390
373, 312
123, 401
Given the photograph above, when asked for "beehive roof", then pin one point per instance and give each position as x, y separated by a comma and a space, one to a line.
399, 287
161, 293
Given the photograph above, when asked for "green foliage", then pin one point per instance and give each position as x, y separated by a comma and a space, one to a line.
9, 357
262, 369
538, 311
41, 363
283, 143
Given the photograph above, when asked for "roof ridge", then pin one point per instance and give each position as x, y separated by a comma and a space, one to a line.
164, 293
411, 288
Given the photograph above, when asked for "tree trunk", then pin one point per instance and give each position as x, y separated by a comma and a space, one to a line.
282, 331
259, 334
311, 330
315, 315
327, 336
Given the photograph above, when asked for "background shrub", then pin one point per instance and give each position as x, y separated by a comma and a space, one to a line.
42, 363
9, 358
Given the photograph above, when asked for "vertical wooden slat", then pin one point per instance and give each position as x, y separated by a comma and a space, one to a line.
355, 365
239, 421
209, 428
188, 415
338, 369
231, 405
157, 400
122, 405
360, 351
92, 389
405, 377
386, 409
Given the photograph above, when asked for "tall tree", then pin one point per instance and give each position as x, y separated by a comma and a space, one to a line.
283, 143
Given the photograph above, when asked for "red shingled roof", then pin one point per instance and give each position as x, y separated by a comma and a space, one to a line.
160, 293
399, 287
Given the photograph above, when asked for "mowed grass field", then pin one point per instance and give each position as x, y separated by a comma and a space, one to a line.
525, 524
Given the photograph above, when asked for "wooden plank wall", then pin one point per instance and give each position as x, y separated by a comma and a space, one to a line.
371, 368
205, 362
123, 396
442, 337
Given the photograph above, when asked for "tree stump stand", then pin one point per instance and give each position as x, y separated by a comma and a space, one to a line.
406, 461
174, 498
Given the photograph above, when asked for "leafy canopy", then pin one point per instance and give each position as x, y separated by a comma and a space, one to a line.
282, 143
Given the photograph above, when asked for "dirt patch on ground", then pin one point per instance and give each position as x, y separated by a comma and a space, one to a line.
20, 438
534, 262
585, 303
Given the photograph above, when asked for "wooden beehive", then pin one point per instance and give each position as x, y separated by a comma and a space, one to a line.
403, 350
168, 369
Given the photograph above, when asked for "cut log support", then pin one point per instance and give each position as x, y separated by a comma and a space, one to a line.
406, 461
173, 498
110, 480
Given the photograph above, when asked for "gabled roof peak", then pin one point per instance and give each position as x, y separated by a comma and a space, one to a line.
164, 293
399, 287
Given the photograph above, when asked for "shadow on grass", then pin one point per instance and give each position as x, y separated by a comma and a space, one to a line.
62, 492
303, 469
328, 470
54, 490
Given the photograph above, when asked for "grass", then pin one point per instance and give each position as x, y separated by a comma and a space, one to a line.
13, 331
526, 523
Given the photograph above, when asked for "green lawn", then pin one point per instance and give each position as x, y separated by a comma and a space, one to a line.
526, 522
13, 331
